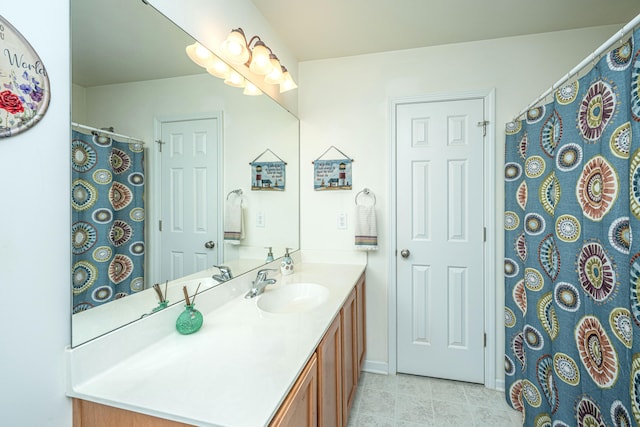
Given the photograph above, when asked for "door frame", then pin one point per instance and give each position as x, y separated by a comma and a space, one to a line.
489, 212
155, 261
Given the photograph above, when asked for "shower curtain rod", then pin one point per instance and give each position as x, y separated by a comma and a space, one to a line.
589, 59
117, 135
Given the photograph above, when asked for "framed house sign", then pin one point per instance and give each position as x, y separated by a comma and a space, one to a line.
24, 84
332, 174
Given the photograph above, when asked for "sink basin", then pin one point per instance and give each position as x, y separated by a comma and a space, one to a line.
293, 298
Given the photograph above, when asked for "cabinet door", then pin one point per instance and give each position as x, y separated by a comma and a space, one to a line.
330, 377
90, 414
349, 353
361, 326
300, 408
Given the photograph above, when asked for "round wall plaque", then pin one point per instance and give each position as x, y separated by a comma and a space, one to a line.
24, 84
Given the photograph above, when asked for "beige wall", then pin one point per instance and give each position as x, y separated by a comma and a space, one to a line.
345, 102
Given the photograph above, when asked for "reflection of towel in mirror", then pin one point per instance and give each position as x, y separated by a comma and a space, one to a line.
233, 229
366, 229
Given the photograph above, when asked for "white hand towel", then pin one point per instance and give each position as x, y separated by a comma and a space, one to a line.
233, 229
366, 229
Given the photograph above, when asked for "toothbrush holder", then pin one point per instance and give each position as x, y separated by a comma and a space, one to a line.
189, 321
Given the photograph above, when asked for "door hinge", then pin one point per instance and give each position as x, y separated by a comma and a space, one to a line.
160, 144
160, 225
484, 124
485, 339
484, 234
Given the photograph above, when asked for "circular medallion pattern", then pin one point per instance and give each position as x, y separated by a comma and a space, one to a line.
634, 287
120, 233
533, 280
567, 228
102, 216
549, 257
620, 234
509, 367
102, 253
120, 161
596, 272
101, 140
619, 58
533, 337
596, 110
136, 248
509, 318
568, 93
102, 294
531, 393
523, 146
102, 176
120, 268
620, 141
597, 188
511, 268
137, 214
620, 415
547, 316
544, 373
569, 156
83, 237
534, 167
549, 193
137, 284
522, 194
83, 156
511, 220
520, 296
534, 224
551, 134
120, 196
84, 276
566, 368
588, 413
534, 115
620, 322
83, 195
597, 354
635, 88
512, 171
136, 179
517, 346
520, 247
634, 190
515, 396
635, 388
566, 296
511, 128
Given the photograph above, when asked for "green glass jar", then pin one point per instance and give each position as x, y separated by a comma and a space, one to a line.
161, 306
189, 321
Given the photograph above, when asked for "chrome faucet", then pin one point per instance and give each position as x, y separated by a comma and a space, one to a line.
260, 283
225, 273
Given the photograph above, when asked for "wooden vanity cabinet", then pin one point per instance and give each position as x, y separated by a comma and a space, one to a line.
349, 323
300, 408
361, 322
91, 414
330, 376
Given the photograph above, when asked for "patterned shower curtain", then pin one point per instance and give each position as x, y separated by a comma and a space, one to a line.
107, 231
572, 269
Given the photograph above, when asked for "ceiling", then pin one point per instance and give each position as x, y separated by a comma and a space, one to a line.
103, 51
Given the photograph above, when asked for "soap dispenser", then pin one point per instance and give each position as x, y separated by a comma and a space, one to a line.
269, 255
286, 266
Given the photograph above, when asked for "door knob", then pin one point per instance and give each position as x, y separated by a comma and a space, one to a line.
209, 244
405, 253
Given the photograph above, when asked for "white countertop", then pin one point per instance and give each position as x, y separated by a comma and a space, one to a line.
234, 372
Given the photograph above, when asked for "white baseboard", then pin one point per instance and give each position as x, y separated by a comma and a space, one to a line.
499, 385
375, 367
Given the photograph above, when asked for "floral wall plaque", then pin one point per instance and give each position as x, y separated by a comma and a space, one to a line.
24, 85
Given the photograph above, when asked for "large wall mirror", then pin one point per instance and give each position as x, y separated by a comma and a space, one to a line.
131, 77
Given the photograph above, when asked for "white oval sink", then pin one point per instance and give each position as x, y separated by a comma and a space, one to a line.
293, 298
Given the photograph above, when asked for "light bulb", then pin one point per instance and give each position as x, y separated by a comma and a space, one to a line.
234, 79
275, 76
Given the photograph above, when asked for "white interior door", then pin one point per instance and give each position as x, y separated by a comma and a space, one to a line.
189, 206
440, 239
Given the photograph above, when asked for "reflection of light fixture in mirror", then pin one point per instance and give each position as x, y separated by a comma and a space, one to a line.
200, 54
219, 68
275, 76
234, 79
287, 81
251, 89
235, 48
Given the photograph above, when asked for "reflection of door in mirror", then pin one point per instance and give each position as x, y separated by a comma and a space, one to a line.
190, 180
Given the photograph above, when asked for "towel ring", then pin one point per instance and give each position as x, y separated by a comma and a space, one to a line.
366, 192
237, 192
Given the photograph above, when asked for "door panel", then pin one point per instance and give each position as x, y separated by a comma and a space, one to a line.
440, 288
189, 196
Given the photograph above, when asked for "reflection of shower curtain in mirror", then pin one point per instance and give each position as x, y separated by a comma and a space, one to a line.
107, 231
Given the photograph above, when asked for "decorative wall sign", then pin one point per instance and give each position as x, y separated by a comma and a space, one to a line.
332, 174
268, 176
24, 84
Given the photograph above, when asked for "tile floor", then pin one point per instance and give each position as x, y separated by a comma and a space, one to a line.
407, 400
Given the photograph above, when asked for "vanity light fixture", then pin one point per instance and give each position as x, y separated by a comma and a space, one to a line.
255, 55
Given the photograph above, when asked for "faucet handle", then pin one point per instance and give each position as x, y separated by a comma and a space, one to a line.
226, 271
263, 273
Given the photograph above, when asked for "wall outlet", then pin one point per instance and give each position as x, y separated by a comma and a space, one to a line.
342, 221
260, 219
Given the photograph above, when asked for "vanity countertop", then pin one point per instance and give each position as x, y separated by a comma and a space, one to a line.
235, 371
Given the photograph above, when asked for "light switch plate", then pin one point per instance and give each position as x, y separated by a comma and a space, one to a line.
342, 221
260, 219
